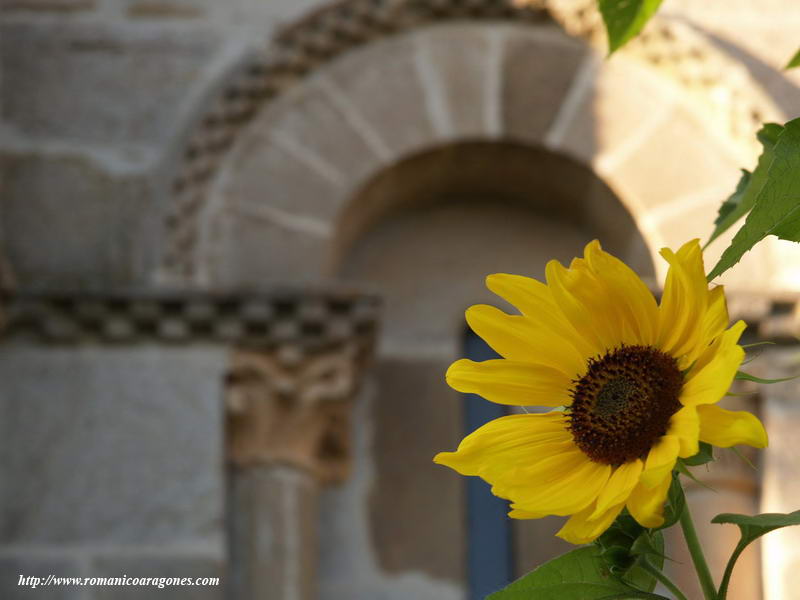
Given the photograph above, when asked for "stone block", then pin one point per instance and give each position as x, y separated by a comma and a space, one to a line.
619, 101
252, 251
12, 567
460, 59
262, 172
162, 568
68, 223
307, 115
539, 65
99, 83
111, 445
416, 506
676, 160
385, 89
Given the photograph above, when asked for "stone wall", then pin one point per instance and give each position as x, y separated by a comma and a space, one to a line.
112, 465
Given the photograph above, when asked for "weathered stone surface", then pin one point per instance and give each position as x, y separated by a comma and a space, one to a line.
612, 111
677, 159
159, 9
308, 116
349, 566
68, 223
417, 507
384, 87
458, 57
111, 445
273, 533
100, 83
252, 251
265, 173
196, 569
538, 69
47, 5
12, 567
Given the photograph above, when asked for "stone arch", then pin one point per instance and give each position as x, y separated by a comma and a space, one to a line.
688, 95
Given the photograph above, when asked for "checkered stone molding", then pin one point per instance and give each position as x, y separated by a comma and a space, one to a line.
290, 322
705, 74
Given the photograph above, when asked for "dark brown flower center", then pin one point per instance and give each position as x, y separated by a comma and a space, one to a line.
624, 402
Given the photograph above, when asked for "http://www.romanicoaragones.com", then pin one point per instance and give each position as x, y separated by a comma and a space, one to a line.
32, 581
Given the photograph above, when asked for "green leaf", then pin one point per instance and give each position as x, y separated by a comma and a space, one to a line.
577, 575
776, 210
625, 18
795, 62
703, 456
741, 375
750, 184
751, 528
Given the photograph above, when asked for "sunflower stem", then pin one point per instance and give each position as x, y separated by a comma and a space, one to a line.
696, 551
662, 577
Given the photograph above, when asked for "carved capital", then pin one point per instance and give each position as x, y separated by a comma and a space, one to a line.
296, 414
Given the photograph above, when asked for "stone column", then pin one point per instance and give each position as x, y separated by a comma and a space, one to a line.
287, 435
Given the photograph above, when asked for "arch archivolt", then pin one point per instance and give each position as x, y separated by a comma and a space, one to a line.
359, 86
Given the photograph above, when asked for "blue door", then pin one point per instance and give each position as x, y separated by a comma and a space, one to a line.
489, 552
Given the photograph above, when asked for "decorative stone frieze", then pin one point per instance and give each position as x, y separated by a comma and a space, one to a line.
297, 322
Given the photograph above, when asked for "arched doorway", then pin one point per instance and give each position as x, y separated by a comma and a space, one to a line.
423, 234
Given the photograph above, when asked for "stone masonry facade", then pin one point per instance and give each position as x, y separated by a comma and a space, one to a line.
237, 239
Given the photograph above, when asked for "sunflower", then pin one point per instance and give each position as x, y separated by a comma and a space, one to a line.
633, 386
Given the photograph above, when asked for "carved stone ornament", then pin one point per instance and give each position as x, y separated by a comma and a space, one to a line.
296, 415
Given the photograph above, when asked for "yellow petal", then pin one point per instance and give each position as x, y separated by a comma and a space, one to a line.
619, 487
685, 300
660, 460
685, 425
573, 491
714, 371
584, 302
646, 504
509, 444
534, 300
587, 525
726, 428
716, 318
516, 338
626, 291
511, 382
